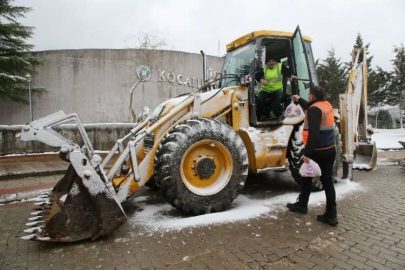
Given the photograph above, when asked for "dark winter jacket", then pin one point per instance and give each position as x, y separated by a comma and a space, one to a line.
314, 115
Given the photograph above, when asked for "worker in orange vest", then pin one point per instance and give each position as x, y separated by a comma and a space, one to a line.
319, 139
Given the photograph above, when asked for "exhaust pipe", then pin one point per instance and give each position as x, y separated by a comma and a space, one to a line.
204, 66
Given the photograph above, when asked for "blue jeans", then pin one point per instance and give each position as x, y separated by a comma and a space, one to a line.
275, 105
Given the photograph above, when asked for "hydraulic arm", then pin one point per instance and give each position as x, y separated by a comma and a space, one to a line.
359, 152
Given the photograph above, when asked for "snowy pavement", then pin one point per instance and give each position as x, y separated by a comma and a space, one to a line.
256, 233
157, 217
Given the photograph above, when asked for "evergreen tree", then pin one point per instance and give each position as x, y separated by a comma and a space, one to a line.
384, 120
379, 84
332, 77
15, 61
397, 85
378, 79
359, 44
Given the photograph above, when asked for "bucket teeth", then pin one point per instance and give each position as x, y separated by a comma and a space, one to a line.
34, 230
41, 209
37, 236
35, 218
42, 202
36, 213
40, 198
76, 209
35, 223
29, 237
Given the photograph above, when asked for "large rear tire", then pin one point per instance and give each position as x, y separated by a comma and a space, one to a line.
339, 154
201, 166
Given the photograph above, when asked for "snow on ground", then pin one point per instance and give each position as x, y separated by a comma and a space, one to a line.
158, 217
388, 138
386, 162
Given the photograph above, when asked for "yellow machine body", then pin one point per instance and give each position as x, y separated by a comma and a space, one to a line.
266, 146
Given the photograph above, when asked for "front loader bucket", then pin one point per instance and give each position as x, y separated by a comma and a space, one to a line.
83, 203
77, 208
365, 157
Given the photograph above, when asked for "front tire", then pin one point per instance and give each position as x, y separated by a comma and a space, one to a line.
296, 149
201, 166
295, 152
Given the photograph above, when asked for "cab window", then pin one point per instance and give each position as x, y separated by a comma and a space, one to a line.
238, 63
301, 66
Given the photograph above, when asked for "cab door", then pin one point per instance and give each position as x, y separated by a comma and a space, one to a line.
302, 64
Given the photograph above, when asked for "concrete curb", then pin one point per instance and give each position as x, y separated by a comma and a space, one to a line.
19, 175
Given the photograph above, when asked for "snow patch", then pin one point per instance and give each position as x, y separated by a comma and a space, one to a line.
121, 240
386, 162
63, 198
388, 138
157, 218
140, 199
22, 196
74, 190
123, 192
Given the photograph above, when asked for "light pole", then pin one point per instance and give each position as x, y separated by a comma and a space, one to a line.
29, 78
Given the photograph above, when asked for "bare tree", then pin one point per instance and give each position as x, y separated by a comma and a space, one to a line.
147, 60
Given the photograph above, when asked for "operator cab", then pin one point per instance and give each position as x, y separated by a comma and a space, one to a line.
246, 59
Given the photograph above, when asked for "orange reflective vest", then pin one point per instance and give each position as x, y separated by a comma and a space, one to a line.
326, 134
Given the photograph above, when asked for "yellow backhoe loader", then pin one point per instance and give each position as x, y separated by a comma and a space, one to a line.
197, 148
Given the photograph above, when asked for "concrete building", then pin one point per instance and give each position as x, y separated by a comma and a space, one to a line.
95, 83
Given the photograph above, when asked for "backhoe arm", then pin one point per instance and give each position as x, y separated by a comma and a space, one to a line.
358, 150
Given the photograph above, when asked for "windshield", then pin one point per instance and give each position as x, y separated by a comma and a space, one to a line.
238, 62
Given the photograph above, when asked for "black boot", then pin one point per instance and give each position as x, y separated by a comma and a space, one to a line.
330, 216
300, 206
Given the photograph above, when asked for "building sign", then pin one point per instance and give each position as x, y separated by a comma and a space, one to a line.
185, 80
144, 73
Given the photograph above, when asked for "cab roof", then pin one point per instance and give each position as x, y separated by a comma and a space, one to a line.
262, 33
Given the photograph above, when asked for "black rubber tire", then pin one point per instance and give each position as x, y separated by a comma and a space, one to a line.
339, 153
168, 168
152, 184
296, 152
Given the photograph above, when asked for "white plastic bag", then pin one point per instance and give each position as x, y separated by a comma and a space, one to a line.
293, 110
310, 169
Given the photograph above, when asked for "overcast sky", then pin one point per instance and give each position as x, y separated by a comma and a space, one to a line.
190, 26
